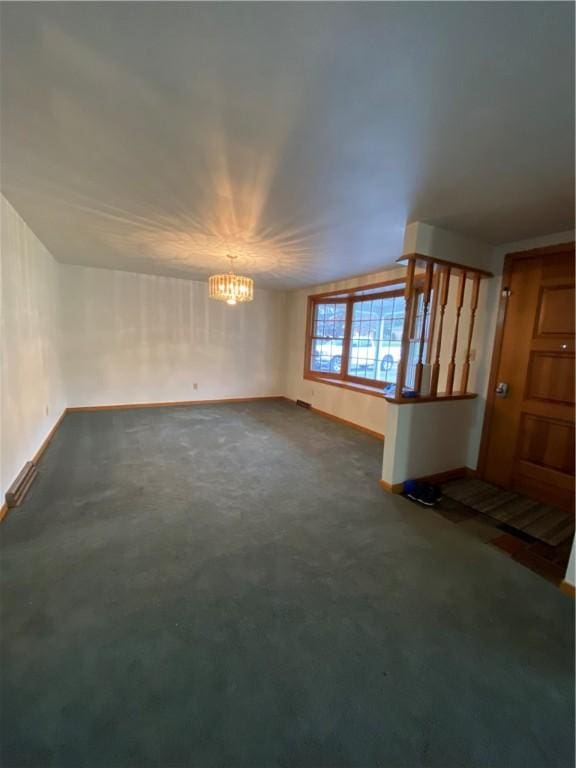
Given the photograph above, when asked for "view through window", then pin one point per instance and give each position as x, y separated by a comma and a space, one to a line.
376, 338
328, 336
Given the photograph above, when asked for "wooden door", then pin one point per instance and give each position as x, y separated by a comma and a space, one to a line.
529, 438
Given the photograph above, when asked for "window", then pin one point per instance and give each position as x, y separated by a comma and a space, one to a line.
357, 336
328, 331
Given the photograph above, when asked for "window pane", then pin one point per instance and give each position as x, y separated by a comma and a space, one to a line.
326, 355
375, 342
329, 321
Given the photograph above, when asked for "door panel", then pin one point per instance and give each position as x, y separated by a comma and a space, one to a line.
530, 446
546, 443
551, 378
555, 316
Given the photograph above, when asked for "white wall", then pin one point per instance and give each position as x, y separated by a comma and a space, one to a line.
32, 394
134, 338
428, 240
366, 410
426, 439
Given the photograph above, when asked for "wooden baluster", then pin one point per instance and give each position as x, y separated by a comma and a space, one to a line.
443, 286
433, 313
452, 363
425, 306
408, 301
473, 308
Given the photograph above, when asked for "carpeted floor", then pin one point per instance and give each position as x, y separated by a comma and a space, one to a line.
228, 586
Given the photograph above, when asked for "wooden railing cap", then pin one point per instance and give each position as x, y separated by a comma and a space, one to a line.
421, 261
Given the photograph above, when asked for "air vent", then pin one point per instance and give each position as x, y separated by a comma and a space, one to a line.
303, 404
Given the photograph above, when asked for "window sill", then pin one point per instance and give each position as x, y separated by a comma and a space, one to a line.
364, 389
441, 396
367, 389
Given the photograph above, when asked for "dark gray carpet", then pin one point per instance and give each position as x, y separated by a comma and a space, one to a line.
541, 521
228, 586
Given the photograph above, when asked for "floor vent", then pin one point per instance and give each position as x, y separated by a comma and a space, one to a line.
15, 494
303, 404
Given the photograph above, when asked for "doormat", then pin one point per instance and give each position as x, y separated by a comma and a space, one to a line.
538, 520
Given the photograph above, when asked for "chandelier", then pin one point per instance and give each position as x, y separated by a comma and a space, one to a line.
231, 288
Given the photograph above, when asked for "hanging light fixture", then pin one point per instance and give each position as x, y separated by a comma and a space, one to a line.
231, 288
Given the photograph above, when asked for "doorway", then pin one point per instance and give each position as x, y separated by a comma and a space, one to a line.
528, 441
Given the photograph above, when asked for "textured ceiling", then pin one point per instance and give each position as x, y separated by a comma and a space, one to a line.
301, 137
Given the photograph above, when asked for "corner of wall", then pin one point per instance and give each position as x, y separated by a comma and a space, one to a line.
32, 392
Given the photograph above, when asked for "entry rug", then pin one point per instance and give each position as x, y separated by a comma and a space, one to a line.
538, 520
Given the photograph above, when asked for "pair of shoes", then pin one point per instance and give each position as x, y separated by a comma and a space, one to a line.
423, 493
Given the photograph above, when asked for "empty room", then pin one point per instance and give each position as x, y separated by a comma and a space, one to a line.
287, 385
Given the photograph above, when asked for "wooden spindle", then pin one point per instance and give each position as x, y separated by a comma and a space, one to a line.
433, 313
459, 304
444, 285
473, 308
408, 301
425, 306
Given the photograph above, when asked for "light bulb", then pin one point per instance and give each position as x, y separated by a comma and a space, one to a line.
231, 302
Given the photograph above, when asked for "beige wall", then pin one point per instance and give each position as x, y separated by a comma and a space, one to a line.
134, 338
366, 410
32, 395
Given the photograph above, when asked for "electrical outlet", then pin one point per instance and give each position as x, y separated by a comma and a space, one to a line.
195, 385
47, 410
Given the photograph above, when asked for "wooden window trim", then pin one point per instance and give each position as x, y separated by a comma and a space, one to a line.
432, 398
356, 383
353, 386
310, 338
347, 293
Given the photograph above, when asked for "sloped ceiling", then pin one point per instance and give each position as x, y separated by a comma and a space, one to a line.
301, 137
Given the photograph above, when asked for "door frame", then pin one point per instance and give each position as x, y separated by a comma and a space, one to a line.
509, 260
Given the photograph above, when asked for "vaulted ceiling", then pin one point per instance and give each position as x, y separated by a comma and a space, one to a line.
301, 137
